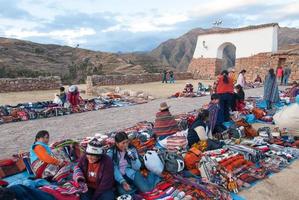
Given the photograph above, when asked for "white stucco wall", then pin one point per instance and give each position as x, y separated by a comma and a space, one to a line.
247, 42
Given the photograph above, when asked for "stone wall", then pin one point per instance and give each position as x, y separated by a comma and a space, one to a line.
102, 80
209, 68
255, 65
29, 84
204, 68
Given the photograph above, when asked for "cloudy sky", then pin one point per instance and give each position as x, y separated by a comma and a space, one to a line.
132, 25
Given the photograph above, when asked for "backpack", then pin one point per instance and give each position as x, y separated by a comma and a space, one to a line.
192, 159
174, 162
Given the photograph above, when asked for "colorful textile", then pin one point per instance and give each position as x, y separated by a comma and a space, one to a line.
165, 124
271, 92
213, 114
175, 141
58, 194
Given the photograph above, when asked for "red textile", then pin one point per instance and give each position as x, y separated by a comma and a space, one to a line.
225, 87
73, 98
60, 196
240, 105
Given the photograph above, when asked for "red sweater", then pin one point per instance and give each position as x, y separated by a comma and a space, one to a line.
225, 87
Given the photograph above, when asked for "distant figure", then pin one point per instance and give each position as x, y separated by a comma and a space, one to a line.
258, 79
286, 74
62, 95
239, 97
241, 78
171, 77
232, 75
257, 82
279, 74
293, 91
73, 96
164, 76
57, 100
271, 93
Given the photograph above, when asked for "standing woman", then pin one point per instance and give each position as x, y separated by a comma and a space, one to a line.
127, 167
225, 89
271, 93
241, 78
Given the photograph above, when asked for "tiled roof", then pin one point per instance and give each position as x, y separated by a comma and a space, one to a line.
239, 29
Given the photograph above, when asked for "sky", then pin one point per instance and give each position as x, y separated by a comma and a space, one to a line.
132, 25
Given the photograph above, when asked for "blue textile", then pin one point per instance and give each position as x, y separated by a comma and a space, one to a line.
25, 193
30, 183
20, 176
250, 118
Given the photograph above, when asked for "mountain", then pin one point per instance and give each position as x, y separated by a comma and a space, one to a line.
20, 58
28, 59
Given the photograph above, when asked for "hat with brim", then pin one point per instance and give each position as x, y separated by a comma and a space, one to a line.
95, 148
164, 106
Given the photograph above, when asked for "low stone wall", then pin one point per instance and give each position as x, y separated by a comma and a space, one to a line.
29, 84
102, 80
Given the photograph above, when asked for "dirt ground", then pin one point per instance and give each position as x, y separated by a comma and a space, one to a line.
156, 89
19, 136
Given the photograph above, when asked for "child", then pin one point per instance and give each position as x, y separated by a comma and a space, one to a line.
239, 97
62, 95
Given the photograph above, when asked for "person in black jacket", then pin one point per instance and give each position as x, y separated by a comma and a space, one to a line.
199, 128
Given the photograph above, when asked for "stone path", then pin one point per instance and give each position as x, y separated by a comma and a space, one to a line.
20, 135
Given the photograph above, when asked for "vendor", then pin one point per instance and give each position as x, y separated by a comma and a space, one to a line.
97, 168
44, 163
165, 124
239, 97
199, 130
73, 96
127, 167
293, 91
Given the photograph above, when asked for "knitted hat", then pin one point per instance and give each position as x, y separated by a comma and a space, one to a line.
163, 106
73, 88
94, 147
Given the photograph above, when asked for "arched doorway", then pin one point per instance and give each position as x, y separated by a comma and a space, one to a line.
227, 53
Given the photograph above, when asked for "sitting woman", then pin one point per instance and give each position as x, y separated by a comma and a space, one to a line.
293, 91
239, 97
258, 79
97, 170
127, 167
165, 124
43, 162
199, 129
